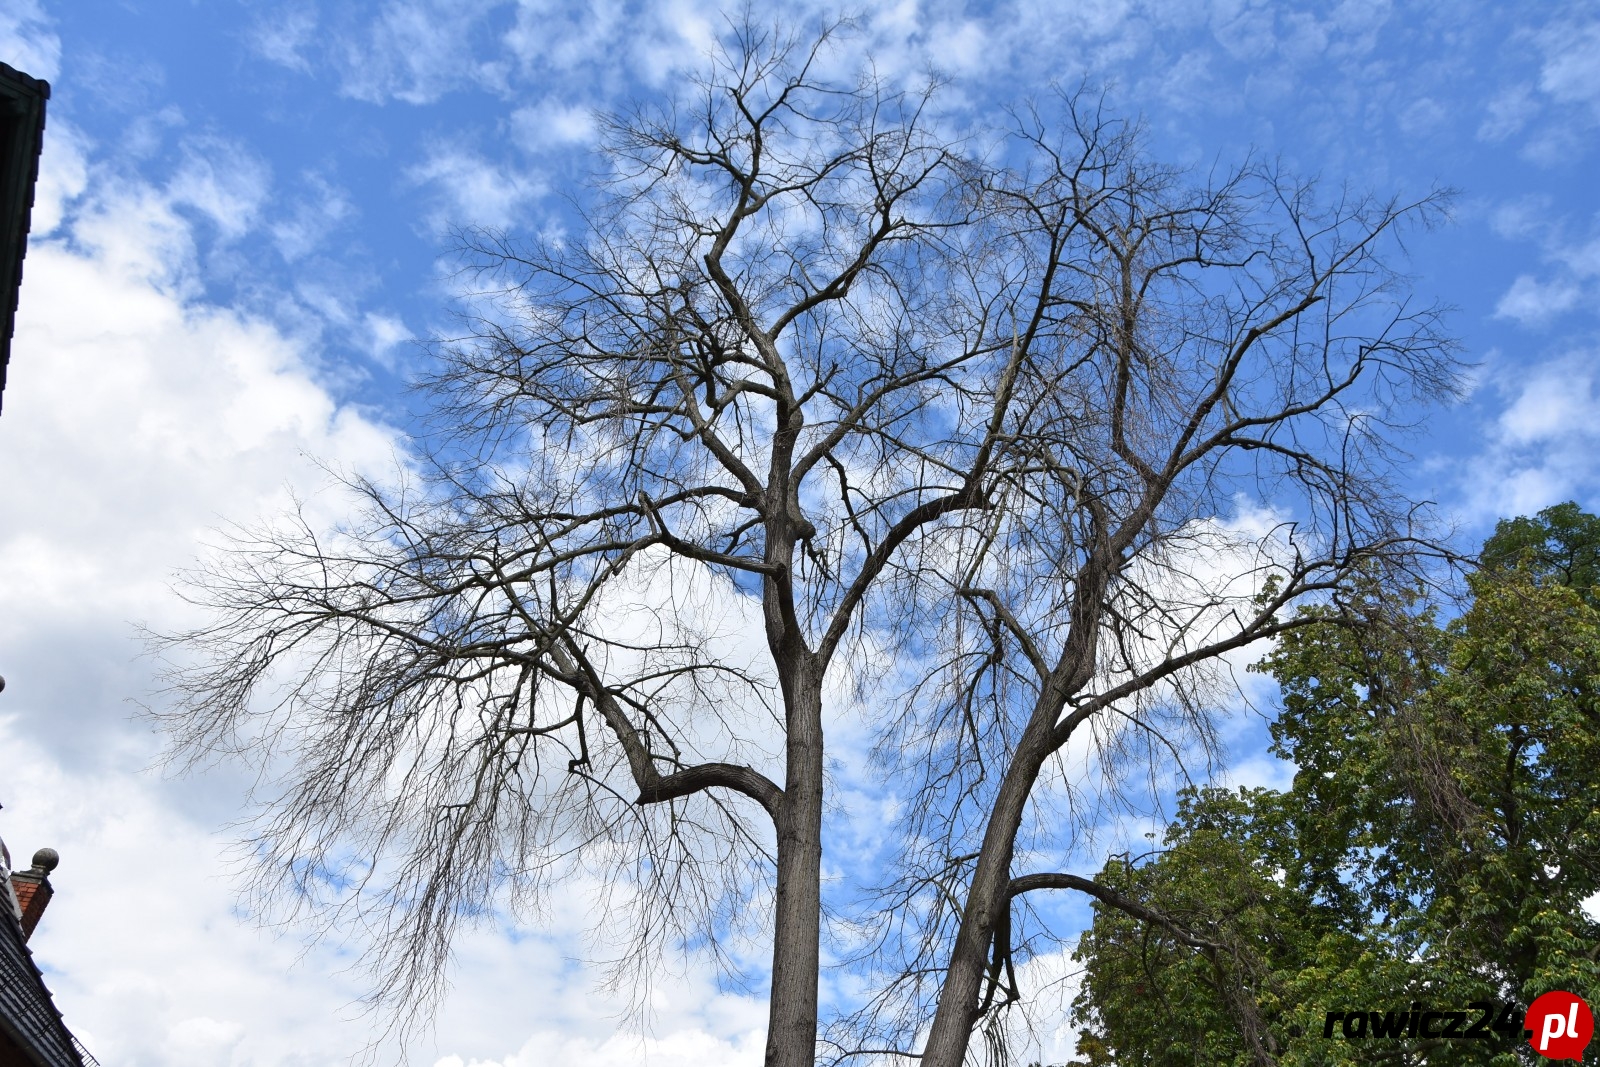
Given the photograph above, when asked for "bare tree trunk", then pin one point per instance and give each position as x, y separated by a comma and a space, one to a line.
988, 896
792, 1013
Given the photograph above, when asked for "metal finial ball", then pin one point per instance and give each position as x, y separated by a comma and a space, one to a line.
2, 685
46, 859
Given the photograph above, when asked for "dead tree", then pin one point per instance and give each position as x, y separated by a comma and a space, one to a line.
819, 394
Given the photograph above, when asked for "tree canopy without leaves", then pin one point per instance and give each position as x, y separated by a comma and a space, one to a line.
827, 421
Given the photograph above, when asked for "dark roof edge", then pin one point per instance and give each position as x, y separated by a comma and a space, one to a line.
25, 81
23, 96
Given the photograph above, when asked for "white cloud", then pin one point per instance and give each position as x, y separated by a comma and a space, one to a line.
1533, 303
1540, 449
548, 36
1555, 403
415, 51
1570, 73
315, 217
60, 183
678, 35
1572, 278
133, 418
26, 40
1050, 981
1583, 260
1423, 117
1557, 103
551, 124
385, 334
683, 1049
1522, 219
153, 964
284, 37
471, 189
1507, 113
137, 418
223, 181
141, 945
960, 46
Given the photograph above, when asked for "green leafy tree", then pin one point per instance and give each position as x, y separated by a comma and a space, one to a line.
1436, 846
1561, 545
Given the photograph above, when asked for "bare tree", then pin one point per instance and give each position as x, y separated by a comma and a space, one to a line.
820, 397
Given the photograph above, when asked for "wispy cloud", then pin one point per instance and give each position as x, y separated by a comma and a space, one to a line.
1571, 279
552, 124
1535, 303
385, 334
1556, 105
316, 214
285, 36
469, 188
222, 180
415, 51
1570, 73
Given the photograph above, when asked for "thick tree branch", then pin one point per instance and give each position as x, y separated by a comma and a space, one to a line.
1111, 898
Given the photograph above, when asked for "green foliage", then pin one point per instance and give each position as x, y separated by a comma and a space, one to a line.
1560, 545
1442, 830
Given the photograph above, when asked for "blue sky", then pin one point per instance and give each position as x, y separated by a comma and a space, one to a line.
241, 219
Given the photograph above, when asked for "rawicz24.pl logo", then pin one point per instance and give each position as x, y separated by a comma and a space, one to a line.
1558, 1025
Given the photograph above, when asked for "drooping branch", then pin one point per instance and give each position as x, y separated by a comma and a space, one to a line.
1028, 883
576, 669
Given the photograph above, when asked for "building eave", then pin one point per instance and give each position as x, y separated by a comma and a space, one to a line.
22, 107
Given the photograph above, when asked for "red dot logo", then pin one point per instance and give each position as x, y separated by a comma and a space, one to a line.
1559, 1026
